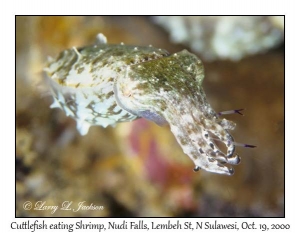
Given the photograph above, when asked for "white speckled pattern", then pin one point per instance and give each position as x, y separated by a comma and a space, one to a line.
105, 84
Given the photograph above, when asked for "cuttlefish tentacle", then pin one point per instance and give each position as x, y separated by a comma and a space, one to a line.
196, 142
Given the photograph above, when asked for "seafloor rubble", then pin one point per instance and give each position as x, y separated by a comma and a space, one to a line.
137, 168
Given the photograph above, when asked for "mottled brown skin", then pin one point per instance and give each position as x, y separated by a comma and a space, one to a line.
105, 84
169, 90
103, 64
